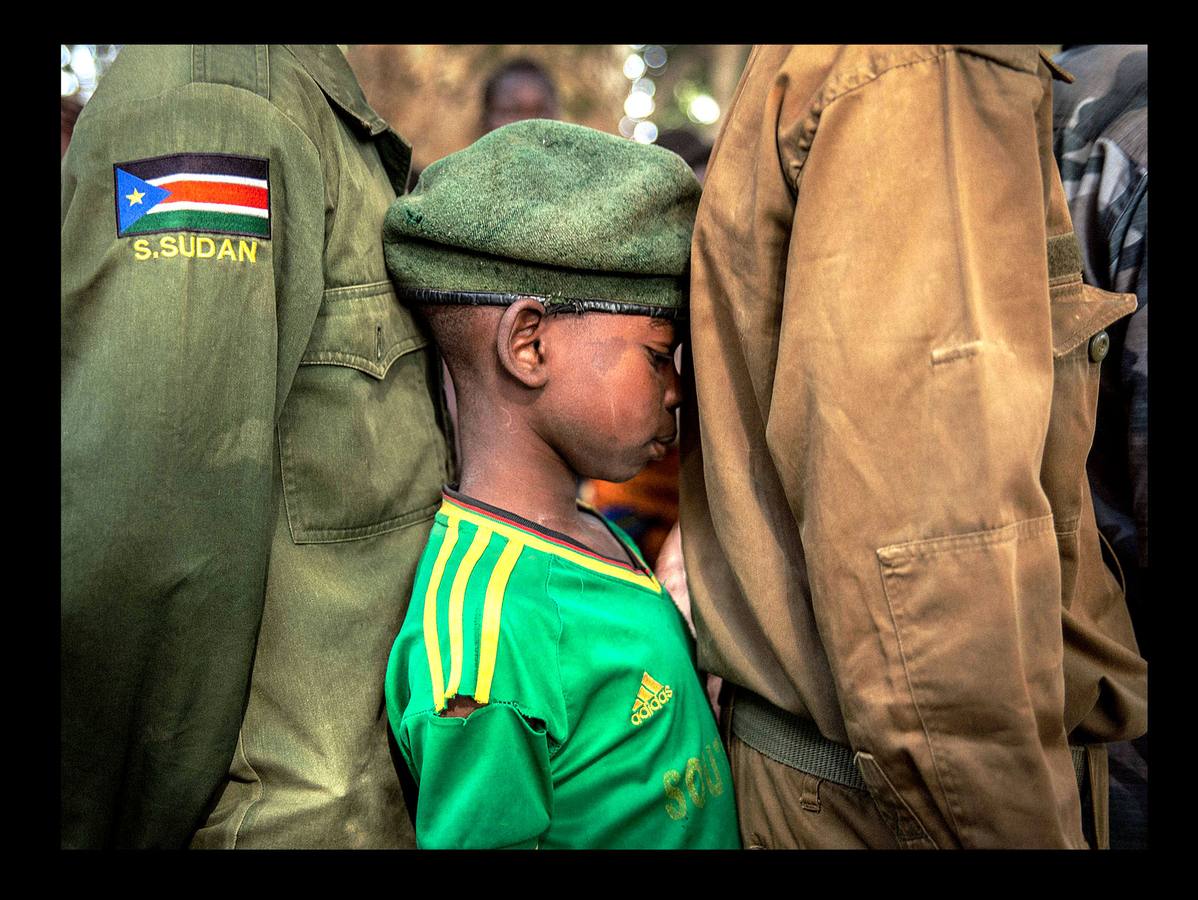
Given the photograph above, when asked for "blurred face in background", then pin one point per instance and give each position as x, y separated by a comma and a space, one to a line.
519, 96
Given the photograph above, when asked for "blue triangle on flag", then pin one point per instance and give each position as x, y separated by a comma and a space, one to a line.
134, 198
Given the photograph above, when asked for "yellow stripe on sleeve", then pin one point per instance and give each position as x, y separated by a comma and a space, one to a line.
457, 596
431, 645
492, 607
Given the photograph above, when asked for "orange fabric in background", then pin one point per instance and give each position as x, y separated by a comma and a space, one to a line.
645, 506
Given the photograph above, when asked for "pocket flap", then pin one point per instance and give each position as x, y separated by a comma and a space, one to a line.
1081, 310
363, 327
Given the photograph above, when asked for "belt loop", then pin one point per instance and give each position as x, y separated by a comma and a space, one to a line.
1100, 793
1078, 753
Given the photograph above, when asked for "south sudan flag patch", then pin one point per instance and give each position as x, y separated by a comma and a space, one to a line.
215, 193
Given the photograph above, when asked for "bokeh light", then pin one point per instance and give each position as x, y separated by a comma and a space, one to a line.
634, 67
83, 63
645, 132
639, 105
645, 85
655, 56
703, 109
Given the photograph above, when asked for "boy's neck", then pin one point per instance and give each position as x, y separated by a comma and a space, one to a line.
507, 465
519, 473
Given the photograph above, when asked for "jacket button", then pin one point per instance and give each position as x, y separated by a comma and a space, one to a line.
1100, 345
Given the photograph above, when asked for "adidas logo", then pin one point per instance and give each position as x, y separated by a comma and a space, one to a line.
651, 697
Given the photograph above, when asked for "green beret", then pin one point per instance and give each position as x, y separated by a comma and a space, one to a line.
582, 219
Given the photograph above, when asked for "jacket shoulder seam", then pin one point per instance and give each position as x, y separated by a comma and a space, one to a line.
939, 53
865, 78
254, 78
833, 92
166, 94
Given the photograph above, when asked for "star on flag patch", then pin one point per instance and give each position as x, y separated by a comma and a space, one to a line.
215, 193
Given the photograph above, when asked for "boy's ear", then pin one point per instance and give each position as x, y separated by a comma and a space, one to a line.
521, 329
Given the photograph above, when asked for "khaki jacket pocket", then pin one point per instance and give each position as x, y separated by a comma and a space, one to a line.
1080, 313
360, 446
977, 621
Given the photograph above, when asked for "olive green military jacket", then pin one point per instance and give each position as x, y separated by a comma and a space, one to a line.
885, 515
252, 453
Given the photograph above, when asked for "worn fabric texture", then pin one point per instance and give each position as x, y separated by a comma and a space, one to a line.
252, 454
553, 209
885, 515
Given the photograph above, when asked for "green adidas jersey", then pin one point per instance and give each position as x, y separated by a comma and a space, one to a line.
595, 731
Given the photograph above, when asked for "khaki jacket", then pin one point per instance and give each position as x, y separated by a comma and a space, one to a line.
252, 455
885, 516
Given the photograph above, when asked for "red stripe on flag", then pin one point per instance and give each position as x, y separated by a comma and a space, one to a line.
217, 192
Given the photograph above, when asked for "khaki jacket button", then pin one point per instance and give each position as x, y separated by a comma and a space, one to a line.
1100, 345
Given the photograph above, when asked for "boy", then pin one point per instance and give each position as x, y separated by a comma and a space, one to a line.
542, 689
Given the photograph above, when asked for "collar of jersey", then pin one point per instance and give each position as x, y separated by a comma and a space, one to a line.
517, 528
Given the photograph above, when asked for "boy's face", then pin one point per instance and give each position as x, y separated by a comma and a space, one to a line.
612, 392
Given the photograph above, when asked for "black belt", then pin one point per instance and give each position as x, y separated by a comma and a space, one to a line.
795, 742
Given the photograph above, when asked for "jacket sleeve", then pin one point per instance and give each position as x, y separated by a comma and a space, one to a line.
484, 781
177, 348
908, 422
